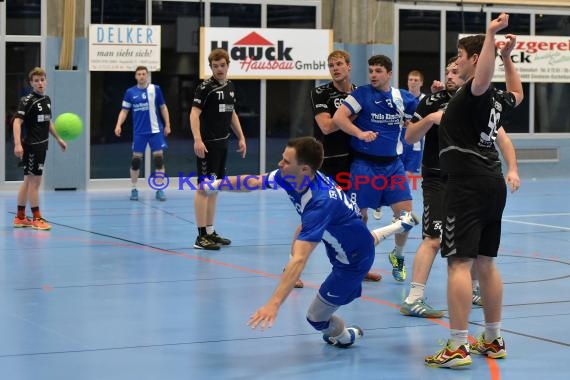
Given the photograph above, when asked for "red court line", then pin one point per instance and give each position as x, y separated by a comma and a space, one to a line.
494, 369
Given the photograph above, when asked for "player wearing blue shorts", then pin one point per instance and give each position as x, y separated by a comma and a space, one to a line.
327, 215
377, 173
151, 122
412, 156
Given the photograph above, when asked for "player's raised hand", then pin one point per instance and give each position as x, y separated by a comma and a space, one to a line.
500, 23
508, 47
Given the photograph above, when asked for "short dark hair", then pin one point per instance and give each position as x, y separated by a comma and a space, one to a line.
141, 68
218, 54
472, 44
309, 151
451, 60
380, 60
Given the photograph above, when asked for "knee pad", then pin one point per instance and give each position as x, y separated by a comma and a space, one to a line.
158, 161
319, 326
136, 163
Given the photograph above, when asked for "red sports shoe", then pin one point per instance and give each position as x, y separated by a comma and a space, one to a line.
40, 224
19, 223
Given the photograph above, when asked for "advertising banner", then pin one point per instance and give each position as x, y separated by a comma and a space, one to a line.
257, 53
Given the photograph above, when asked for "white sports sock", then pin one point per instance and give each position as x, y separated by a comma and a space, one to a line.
399, 250
416, 292
492, 331
391, 229
210, 230
457, 338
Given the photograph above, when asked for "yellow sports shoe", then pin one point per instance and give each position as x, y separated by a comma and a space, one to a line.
448, 358
40, 224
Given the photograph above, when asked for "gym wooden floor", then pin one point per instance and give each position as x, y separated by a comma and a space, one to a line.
116, 291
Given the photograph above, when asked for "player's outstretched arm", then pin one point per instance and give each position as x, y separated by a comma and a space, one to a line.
486, 61
265, 315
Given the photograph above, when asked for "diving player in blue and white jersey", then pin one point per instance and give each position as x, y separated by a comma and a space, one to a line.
378, 174
327, 215
151, 122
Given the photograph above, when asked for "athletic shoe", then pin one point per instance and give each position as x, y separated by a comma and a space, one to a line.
371, 276
160, 195
409, 220
19, 223
377, 213
476, 297
448, 358
134, 195
204, 242
355, 333
40, 224
494, 350
398, 266
419, 308
218, 239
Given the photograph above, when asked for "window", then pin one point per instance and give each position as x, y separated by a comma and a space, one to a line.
419, 46
551, 100
23, 17
110, 155
289, 112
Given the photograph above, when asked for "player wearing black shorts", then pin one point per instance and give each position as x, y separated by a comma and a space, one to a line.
211, 118
475, 191
426, 123
32, 126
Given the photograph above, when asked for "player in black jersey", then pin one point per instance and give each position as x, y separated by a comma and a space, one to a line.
32, 126
211, 118
475, 191
325, 100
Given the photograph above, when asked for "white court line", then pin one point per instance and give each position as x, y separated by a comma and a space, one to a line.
537, 224
539, 215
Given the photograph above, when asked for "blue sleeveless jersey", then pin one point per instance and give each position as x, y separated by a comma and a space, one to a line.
145, 105
327, 215
382, 112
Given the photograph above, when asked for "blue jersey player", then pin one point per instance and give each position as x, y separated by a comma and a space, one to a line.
377, 174
327, 215
151, 122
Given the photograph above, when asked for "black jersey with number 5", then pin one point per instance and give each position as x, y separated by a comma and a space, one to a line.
217, 104
35, 112
468, 131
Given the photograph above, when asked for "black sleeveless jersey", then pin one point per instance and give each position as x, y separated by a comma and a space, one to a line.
217, 103
327, 98
35, 111
430, 104
468, 131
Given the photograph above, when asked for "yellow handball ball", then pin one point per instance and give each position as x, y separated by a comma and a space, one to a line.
68, 126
